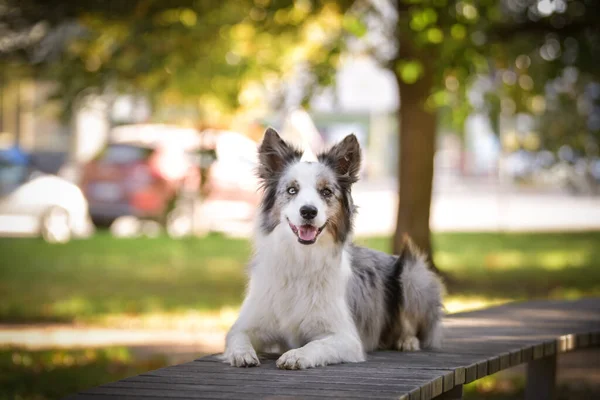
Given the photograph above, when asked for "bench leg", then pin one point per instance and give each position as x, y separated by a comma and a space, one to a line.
541, 378
456, 393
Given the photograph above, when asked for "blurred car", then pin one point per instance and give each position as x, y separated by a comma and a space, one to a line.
231, 198
33, 203
149, 176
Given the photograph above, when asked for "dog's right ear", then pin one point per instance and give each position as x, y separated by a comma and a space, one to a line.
274, 154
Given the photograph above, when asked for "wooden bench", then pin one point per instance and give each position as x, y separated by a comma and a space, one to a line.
477, 344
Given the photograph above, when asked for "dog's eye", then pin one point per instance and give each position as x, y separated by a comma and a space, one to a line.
326, 192
292, 190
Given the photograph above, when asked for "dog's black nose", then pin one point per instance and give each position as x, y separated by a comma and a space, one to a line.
308, 212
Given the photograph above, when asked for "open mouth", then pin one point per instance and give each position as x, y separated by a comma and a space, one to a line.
307, 234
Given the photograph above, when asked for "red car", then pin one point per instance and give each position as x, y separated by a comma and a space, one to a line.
144, 181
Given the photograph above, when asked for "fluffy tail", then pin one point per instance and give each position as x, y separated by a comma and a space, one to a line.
422, 292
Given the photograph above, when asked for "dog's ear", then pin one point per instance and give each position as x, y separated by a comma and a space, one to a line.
344, 158
273, 154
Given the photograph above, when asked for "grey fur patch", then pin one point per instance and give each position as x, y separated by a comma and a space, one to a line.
369, 296
383, 288
422, 296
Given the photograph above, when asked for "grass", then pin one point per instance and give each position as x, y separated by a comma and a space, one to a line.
108, 280
518, 266
83, 280
35, 375
86, 281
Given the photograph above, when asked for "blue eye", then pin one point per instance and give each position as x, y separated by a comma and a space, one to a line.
326, 192
292, 190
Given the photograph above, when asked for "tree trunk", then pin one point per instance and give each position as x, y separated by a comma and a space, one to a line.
417, 146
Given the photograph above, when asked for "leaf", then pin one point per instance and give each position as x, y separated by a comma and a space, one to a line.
354, 25
410, 71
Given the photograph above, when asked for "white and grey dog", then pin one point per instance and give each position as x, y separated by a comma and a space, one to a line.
311, 291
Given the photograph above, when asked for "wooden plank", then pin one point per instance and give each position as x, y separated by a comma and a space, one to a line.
549, 348
195, 391
87, 396
470, 373
414, 394
566, 343
355, 370
482, 369
437, 386
516, 357
538, 351
448, 381
460, 375
270, 372
504, 361
107, 392
527, 354
477, 344
422, 360
425, 391
242, 380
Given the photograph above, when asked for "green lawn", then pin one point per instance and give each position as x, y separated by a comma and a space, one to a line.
85, 279
89, 279
35, 375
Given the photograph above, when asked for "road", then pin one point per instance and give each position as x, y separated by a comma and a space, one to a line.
457, 205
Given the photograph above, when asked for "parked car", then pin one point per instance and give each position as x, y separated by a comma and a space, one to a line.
33, 203
151, 180
231, 196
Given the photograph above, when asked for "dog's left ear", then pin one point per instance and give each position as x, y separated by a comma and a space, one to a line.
344, 158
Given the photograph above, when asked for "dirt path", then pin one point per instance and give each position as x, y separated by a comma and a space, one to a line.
51, 336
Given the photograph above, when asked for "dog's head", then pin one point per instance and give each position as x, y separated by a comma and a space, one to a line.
309, 198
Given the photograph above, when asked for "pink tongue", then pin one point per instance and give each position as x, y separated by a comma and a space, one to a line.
307, 232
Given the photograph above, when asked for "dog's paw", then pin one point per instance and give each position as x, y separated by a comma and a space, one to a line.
242, 359
294, 359
408, 344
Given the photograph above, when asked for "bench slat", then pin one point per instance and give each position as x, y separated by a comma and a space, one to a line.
477, 344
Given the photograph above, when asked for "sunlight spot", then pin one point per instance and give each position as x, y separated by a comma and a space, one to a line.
548, 260
455, 304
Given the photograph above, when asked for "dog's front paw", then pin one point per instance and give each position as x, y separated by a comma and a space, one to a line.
408, 344
294, 359
242, 359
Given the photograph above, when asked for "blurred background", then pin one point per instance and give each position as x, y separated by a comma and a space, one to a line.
128, 134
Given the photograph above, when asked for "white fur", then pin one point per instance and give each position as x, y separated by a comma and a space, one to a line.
297, 293
305, 174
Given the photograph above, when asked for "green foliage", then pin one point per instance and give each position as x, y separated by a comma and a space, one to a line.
518, 47
222, 55
354, 25
410, 71
225, 56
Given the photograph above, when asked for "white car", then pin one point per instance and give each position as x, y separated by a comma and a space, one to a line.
37, 204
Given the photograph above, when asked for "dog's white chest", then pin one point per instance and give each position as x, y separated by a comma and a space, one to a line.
302, 294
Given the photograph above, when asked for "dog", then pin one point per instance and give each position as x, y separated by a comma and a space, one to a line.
312, 293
